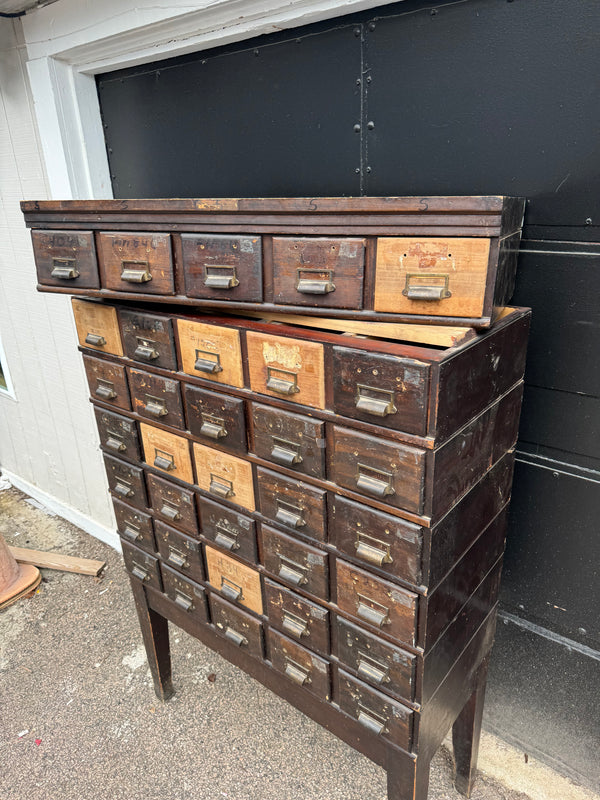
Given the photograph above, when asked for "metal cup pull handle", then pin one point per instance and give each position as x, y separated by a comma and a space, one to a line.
170, 512
372, 612
294, 625
285, 452
123, 489
315, 281
220, 277
235, 637
105, 390
131, 532
282, 381
164, 460
221, 487
115, 442
296, 673
177, 558
213, 427
146, 350
374, 481
231, 590
208, 362
372, 671
378, 402
226, 539
288, 514
292, 572
370, 721
436, 287
373, 550
139, 571
183, 601
64, 268
95, 339
156, 406
135, 272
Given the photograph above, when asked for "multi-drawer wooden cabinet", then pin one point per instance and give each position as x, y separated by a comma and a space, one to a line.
325, 509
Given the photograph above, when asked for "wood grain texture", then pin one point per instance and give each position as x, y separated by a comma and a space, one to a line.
95, 320
156, 398
190, 597
228, 619
305, 621
64, 563
134, 525
228, 529
224, 476
290, 440
146, 252
173, 504
179, 551
224, 571
107, 382
300, 665
148, 338
295, 563
142, 566
126, 482
214, 417
214, 344
65, 258
223, 267
118, 434
294, 505
167, 452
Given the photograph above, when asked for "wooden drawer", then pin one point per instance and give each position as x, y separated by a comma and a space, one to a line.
299, 618
167, 452
375, 661
295, 563
318, 271
148, 338
286, 368
215, 417
290, 440
155, 397
118, 434
223, 267
97, 327
224, 476
136, 262
300, 665
386, 390
134, 526
66, 258
107, 382
432, 275
237, 626
185, 594
228, 529
173, 504
179, 551
236, 581
142, 565
294, 505
212, 352
390, 472
389, 543
126, 481
379, 714
377, 603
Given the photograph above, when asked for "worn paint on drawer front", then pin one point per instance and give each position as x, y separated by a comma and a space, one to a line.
135, 526
290, 440
126, 481
66, 259
179, 551
237, 626
223, 267
215, 417
293, 504
118, 434
107, 382
236, 581
167, 452
224, 476
229, 530
303, 620
156, 398
294, 563
148, 338
142, 565
136, 262
212, 352
300, 665
97, 326
185, 593
173, 504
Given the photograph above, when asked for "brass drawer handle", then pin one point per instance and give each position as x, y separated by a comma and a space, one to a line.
156, 406
213, 427
372, 612
210, 365
135, 271
231, 590
294, 625
314, 281
183, 601
146, 349
220, 277
221, 486
95, 339
288, 514
282, 381
372, 671
164, 460
178, 558
235, 637
226, 538
373, 550
374, 481
114, 441
131, 532
64, 268
296, 673
292, 572
380, 405
139, 571
170, 512
285, 452
123, 489
105, 389
371, 721
426, 291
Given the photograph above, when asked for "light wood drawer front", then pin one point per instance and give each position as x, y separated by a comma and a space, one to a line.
300, 665
118, 434
107, 382
286, 368
318, 271
390, 472
142, 565
388, 543
148, 338
66, 259
301, 619
437, 276
223, 267
136, 262
382, 389
157, 398
375, 661
215, 417
294, 505
179, 551
229, 530
379, 714
134, 526
126, 482
377, 603
212, 352
97, 327
167, 452
295, 563
184, 593
224, 476
237, 582
173, 504
290, 440
237, 626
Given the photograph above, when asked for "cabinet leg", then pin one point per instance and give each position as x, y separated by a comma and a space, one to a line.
466, 732
408, 779
155, 632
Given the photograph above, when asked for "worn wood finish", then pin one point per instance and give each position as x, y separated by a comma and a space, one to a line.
236, 581
126, 482
235, 625
210, 352
156, 398
134, 525
97, 327
300, 665
289, 440
167, 452
107, 382
294, 505
222, 267
66, 258
148, 338
229, 530
118, 434
179, 551
142, 566
216, 419
294, 563
60, 561
187, 595
136, 262
155, 633
224, 476
305, 621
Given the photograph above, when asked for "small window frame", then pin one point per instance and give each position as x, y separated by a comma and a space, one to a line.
9, 391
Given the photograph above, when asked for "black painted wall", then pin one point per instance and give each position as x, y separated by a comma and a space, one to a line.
476, 97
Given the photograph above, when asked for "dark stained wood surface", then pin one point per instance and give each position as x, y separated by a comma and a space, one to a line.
156, 398
107, 382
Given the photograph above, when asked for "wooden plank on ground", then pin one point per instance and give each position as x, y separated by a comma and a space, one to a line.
40, 558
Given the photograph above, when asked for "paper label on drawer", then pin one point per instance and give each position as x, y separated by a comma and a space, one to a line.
287, 356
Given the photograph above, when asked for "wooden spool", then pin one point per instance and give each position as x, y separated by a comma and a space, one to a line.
15, 580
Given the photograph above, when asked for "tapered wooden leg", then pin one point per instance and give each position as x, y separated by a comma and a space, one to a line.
155, 632
407, 779
466, 732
